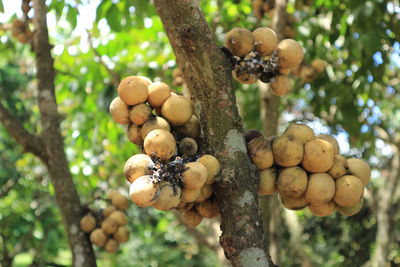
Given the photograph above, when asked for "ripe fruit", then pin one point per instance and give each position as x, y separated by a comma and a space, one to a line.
120, 202
191, 218
243, 76
288, 152
360, 169
195, 176
318, 65
339, 167
351, 210
292, 182
280, 86
87, 223
265, 40
301, 132
251, 134
143, 191
167, 197
284, 71
109, 226
98, 237
121, 235
290, 53
267, 182
153, 124
107, 211
111, 246
212, 165
119, 111
140, 113
191, 128
161, 144
319, 156
331, 140
190, 195
136, 166
320, 189
240, 41
158, 93
294, 203
260, 152
177, 109
349, 190
205, 192
134, 134
133, 90
119, 217
188, 146
208, 208
325, 209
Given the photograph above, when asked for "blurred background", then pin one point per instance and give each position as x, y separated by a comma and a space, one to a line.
347, 86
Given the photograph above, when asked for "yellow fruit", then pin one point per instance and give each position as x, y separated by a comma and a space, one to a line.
280, 86
339, 167
240, 41
319, 156
349, 190
136, 166
167, 197
243, 76
111, 194
177, 73
120, 202
325, 209
140, 113
267, 184
107, 211
260, 152
318, 65
158, 93
143, 191
290, 53
119, 217
133, 90
134, 134
301, 132
146, 80
191, 128
292, 182
109, 226
98, 237
191, 218
288, 152
88, 223
320, 189
351, 210
284, 71
331, 140
177, 109
190, 195
212, 165
154, 124
361, 169
205, 192
208, 209
161, 144
121, 235
265, 40
294, 203
119, 111
111, 246
195, 176
307, 73
188, 146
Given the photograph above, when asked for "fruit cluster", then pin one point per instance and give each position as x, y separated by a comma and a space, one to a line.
258, 55
171, 173
308, 171
177, 76
107, 227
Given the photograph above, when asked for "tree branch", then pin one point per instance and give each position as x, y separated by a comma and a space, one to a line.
29, 142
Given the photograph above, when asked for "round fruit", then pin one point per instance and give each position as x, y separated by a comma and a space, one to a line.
191, 218
133, 90
251, 134
294, 203
280, 86
288, 152
119, 111
177, 109
319, 156
351, 210
158, 93
195, 176
301, 132
208, 209
109, 226
243, 76
161, 144
120, 202
177, 73
136, 166
143, 191
240, 41
325, 209
331, 140
121, 235
267, 184
360, 169
146, 80
318, 65
112, 193
140, 113
320, 189
339, 167
205, 192
284, 71
167, 197
119, 217
107, 211
87, 223
307, 73
98, 237
154, 124
212, 165
292, 182
265, 40
191, 128
111, 246
290, 53
134, 134
349, 190
190, 195
188, 146
260, 152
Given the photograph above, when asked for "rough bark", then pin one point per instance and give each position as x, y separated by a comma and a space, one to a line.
57, 164
208, 76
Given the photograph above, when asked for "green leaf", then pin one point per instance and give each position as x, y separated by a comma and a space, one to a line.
1, 6
114, 18
72, 16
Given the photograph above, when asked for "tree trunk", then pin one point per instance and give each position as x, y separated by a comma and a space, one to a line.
57, 164
208, 76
